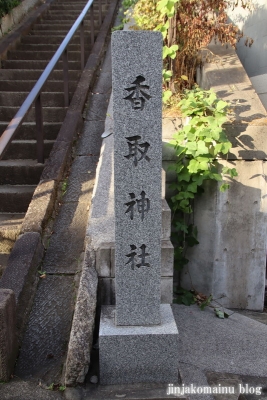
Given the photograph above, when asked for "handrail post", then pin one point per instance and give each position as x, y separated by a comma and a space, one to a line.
82, 44
92, 26
66, 78
39, 129
100, 12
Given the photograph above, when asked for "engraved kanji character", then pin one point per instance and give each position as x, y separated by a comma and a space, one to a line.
135, 147
142, 205
131, 256
143, 256
138, 94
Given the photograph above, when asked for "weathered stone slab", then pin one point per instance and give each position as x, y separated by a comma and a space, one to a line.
81, 179
90, 140
66, 244
40, 207
81, 337
48, 329
137, 104
104, 83
8, 334
97, 107
143, 353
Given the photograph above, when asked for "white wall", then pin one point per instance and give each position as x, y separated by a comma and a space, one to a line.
254, 58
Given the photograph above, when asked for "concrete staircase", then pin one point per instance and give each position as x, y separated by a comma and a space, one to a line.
19, 170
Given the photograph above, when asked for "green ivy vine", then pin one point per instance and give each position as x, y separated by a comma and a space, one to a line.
197, 147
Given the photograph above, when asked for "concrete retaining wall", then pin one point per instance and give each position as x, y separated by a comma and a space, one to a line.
230, 261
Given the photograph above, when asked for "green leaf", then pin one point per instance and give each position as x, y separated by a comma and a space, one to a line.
201, 148
216, 177
184, 77
166, 95
167, 75
192, 187
226, 170
179, 150
170, 51
184, 296
193, 166
221, 105
181, 226
224, 187
219, 313
184, 176
191, 147
233, 172
225, 147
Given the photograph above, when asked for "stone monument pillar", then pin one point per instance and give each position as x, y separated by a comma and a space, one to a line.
138, 337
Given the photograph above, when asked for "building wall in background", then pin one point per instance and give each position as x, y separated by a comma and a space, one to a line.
254, 58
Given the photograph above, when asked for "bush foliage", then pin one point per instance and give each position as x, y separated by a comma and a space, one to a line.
7, 5
187, 26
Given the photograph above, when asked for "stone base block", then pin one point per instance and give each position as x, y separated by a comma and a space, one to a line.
135, 354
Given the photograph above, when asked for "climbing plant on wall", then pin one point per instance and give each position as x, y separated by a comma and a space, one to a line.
197, 146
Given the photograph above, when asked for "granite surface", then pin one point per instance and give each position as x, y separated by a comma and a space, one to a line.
137, 103
130, 354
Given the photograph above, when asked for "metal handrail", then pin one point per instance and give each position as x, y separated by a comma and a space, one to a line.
35, 94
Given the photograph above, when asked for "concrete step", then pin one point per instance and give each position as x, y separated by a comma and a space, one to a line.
42, 38
27, 131
26, 149
37, 64
60, 27
44, 47
57, 16
50, 114
53, 32
66, 8
40, 55
72, 7
10, 225
20, 172
49, 99
26, 86
63, 5
15, 198
23, 74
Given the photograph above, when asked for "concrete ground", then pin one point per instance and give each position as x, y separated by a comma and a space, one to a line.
228, 352
212, 351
